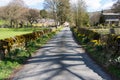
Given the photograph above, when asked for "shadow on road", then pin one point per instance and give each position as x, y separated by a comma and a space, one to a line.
61, 56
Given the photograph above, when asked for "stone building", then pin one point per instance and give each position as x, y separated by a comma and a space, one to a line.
112, 18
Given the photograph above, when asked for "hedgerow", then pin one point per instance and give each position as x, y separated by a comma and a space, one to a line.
103, 48
9, 44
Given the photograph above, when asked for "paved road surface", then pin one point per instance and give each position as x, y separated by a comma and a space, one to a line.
61, 59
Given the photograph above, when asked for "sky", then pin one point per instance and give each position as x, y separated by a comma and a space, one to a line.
92, 5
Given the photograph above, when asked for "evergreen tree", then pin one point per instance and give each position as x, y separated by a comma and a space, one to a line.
101, 20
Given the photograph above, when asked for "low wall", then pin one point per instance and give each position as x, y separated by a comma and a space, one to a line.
9, 44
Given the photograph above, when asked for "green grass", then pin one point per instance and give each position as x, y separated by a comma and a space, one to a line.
10, 32
6, 68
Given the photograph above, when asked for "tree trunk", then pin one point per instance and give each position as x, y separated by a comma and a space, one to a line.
11, 23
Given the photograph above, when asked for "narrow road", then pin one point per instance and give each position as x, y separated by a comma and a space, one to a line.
61, 59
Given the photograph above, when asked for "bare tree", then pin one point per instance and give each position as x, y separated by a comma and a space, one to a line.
13, 11
2, 12
60, 9
32, 16
63, 11
80, 15
94, 18
116, 6
51, 5
18, 13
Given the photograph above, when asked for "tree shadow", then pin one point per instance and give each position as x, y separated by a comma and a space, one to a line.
59, 56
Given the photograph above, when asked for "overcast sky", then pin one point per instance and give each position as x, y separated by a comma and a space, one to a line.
92, 5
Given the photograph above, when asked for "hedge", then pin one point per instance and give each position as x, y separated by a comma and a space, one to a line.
109, 43
9, 44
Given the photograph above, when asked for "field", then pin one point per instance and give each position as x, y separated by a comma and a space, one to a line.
10, 32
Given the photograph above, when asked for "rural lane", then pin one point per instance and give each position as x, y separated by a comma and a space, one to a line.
61, 59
